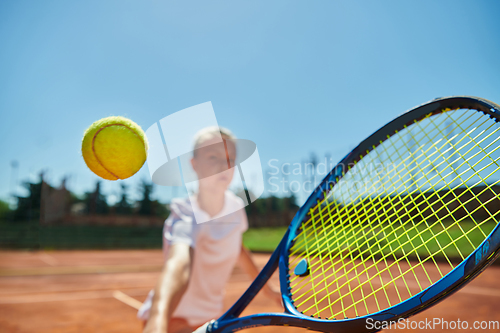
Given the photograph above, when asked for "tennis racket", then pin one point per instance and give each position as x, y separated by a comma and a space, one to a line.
407, 218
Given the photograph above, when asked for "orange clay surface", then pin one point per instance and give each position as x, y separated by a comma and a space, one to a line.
72, 291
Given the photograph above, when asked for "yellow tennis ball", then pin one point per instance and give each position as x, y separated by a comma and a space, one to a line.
114, 148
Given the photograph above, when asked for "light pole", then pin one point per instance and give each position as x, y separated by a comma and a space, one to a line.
13, 180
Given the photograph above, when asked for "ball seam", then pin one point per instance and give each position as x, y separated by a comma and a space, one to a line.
93, 150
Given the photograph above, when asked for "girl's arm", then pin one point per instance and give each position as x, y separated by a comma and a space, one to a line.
171, 286
251, 268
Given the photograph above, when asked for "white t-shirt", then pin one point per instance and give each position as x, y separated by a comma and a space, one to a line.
217, 245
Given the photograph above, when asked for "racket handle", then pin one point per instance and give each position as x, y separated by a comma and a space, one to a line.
203, 328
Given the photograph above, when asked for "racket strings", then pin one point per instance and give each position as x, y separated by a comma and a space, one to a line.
386, 182
359, 196
452, 192
346, 213
366, 249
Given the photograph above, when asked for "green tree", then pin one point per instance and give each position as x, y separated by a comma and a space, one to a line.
290, 203
5, 211
95, 202
28, 208
123, 207
274, 204
160, 209
146, 204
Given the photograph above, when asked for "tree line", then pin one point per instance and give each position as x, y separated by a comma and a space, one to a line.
95, 202
27, 208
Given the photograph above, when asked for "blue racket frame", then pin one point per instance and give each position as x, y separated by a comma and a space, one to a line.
463, 273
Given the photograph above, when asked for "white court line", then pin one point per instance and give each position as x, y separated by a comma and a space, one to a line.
71, 296
63, 270
48, 259
130, 301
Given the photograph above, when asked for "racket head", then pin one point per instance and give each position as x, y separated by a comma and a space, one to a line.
287, 258
340, 302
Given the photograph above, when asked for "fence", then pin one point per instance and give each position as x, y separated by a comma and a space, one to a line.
36, 236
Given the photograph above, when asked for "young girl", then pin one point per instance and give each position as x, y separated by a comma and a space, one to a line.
202, 243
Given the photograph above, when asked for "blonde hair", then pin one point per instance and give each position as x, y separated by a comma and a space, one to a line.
211, 132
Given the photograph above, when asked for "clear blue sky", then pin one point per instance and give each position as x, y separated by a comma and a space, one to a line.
293, 76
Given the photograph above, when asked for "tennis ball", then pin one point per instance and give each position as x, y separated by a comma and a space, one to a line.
114, 148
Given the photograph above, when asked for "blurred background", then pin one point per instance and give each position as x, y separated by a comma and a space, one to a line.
305, 81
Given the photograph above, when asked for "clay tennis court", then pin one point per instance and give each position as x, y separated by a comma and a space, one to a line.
88, 291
